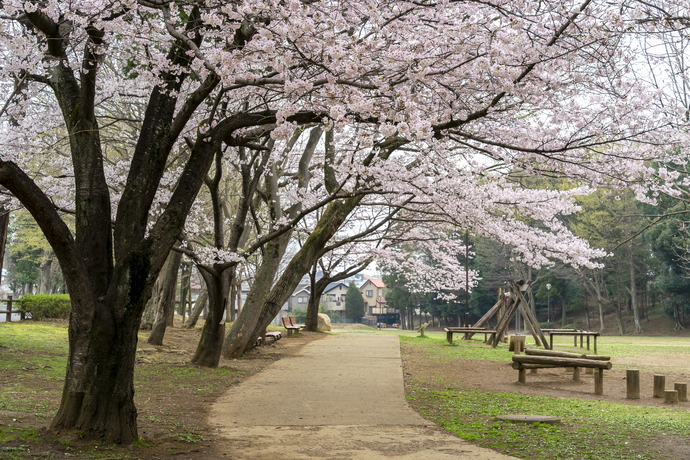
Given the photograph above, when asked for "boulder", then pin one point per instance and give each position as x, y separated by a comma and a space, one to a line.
324, 323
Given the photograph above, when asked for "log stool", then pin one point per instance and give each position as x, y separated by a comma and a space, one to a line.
517, 344
671, 396
659, 385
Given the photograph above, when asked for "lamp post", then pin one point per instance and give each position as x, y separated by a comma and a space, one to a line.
548, 303
467, 279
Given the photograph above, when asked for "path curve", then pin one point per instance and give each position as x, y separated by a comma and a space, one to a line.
341, 397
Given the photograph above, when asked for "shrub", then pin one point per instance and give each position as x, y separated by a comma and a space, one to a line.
46, 306
300, 314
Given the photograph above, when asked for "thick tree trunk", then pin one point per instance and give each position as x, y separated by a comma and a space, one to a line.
165, 302
237, 339
149, 315
199, 305
97, 398
311, 323
332, 219
210, 345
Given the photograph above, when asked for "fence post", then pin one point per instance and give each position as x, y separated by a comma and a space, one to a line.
8, 315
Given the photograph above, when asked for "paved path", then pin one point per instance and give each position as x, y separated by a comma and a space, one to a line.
341, 397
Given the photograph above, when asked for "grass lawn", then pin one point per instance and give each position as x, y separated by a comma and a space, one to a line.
591, 428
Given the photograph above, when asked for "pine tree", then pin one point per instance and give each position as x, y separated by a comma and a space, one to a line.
354, 302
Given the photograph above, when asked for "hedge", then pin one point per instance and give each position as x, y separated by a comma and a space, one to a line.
46, 306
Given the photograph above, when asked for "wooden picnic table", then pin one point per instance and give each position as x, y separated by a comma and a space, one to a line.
468, 331
575, 333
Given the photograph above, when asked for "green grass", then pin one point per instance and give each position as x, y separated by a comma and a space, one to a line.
34, 347
591, 429
15, 434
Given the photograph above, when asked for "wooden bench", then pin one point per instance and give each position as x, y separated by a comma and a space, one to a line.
293, 321
575, 333
290, 326
469, 332
546, 359
275, 335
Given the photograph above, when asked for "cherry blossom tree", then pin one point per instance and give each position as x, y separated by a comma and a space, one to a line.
436, 100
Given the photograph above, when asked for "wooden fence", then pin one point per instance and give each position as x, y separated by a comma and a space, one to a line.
8, 310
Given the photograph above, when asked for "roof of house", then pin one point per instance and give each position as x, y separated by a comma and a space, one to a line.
300, 290
378, 282
332, 286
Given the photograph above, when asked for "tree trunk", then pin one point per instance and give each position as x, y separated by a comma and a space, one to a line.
165, 302
210, 345
601, 316
238, 292
619, 320
199, 305
149, 315
331, 220
563, 312
312, 321
4, 223
633, 295
97, 399
45, 281
185, 289
237, 339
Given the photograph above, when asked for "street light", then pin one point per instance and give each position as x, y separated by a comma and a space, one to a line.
548, 304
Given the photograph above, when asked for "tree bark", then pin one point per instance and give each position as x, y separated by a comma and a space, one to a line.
45, 281
185, 288
199, 305
619, 320
332, 219
149, 314
633, 295
165, 300
239, 335
311, 323
4, 223
210, 345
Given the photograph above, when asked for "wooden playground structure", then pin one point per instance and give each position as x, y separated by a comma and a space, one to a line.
508, 305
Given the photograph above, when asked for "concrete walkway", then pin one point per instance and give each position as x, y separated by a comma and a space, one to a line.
341, 397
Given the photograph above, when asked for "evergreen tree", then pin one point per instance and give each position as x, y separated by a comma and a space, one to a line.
354, 302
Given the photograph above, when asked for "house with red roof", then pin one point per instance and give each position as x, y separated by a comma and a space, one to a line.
376, 309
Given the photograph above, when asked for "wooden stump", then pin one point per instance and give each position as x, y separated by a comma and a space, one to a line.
522, 375
517, 344
632, 386
599, 381
671, 396
576, 374
659, 385
682, 389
